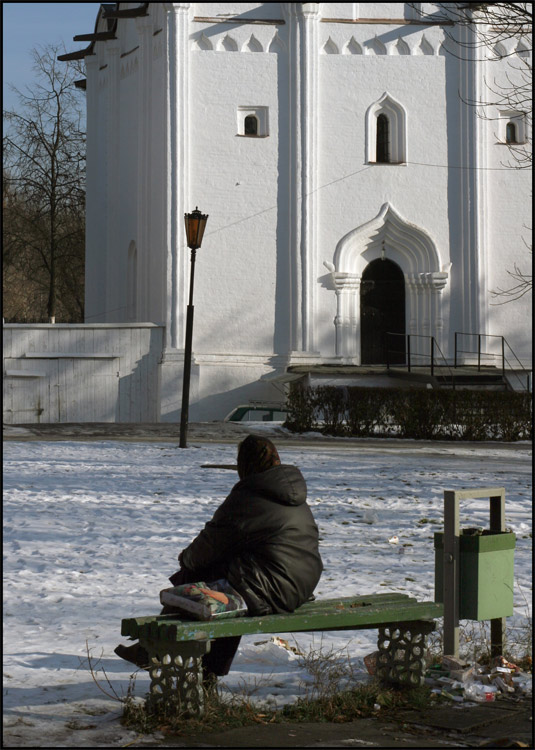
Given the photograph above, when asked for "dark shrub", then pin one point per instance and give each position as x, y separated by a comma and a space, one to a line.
301, 411
332, 403
416, 413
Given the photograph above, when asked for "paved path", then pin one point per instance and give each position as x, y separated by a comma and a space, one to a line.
233, 432
504, 723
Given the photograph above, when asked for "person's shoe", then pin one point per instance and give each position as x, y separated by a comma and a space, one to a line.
135, 654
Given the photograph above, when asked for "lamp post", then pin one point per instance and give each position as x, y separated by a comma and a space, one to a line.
195, 224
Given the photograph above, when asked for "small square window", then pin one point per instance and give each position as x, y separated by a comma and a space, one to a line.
253, 122
512, 127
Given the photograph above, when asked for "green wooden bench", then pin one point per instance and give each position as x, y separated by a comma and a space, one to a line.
176, 647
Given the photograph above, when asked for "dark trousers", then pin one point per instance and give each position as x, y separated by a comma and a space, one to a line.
222, 650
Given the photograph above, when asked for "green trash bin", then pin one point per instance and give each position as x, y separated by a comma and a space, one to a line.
486, 573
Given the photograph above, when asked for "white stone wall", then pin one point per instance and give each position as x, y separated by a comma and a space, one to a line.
166, 104
235, 180
508, 216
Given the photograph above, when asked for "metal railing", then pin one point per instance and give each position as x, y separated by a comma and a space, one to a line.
432, 358
506, 365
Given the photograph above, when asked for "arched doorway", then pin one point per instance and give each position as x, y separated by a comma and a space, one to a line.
382, 310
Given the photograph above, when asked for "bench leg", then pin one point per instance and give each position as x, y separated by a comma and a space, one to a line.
176, 676
401, 658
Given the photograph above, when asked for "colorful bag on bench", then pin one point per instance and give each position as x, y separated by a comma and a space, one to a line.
205, 601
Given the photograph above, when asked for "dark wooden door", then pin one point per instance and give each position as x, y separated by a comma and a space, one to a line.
382, 311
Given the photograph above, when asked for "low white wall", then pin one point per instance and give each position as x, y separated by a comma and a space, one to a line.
81, 373
219, 383
119, 373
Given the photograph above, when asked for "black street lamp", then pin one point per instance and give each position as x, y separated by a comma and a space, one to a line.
195, 225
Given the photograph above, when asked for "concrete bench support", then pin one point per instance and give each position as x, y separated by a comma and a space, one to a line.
176, 676
402, 647
176, 647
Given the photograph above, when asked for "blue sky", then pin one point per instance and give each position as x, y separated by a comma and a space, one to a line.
26, 25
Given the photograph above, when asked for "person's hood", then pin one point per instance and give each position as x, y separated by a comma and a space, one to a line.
283, 484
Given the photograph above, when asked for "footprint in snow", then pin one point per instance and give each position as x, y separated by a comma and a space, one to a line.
370, 516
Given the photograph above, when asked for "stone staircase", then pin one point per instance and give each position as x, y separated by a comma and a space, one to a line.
466, 377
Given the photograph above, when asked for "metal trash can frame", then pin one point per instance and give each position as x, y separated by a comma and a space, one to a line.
451, 571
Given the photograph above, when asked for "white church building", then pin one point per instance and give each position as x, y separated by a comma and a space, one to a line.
352, 187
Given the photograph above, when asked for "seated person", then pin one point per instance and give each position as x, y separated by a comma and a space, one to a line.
263, 540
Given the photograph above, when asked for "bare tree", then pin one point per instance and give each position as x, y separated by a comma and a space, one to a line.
44, 196
522, 284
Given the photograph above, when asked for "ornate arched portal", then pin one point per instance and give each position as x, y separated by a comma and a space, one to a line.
391, 237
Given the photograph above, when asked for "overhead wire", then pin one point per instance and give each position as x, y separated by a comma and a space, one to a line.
220, 229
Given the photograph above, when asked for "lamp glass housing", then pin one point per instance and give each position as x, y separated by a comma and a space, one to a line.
195, 224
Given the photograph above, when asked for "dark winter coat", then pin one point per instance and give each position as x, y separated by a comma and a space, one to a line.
265, 533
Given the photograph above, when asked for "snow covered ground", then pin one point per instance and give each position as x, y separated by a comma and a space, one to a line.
93, 529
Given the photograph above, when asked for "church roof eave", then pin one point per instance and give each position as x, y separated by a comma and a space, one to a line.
110, 12
115, 12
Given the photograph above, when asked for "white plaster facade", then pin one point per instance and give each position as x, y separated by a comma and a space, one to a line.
297, 212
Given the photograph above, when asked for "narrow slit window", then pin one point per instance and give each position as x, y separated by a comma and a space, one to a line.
383, 139
251, 125
510, 133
